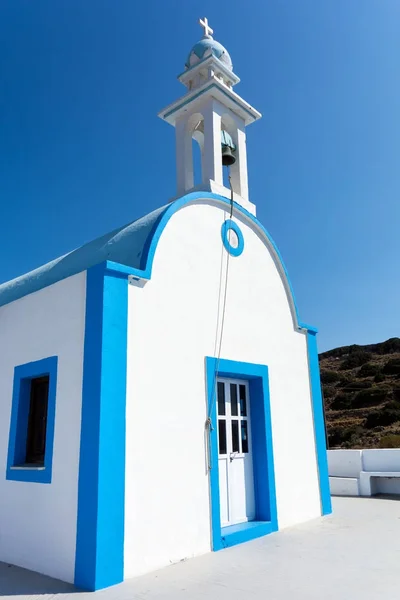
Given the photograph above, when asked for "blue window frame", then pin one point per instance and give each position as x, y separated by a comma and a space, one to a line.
17, 470
263, 460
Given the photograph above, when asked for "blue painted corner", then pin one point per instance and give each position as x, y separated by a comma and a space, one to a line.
23, 374
263, 457
319, 423
99, 560
307, 327
227, 226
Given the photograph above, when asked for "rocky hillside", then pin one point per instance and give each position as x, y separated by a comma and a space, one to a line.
361, 388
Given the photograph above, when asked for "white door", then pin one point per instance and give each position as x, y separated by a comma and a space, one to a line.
236, 481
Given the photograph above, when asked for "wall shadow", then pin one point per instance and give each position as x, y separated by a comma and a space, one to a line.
15, 581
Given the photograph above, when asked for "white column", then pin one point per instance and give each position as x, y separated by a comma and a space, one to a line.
212, 164
239, 169
184, 157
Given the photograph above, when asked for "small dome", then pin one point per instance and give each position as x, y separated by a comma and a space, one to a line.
204, 48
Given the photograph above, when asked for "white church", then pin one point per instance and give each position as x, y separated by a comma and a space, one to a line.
159, 395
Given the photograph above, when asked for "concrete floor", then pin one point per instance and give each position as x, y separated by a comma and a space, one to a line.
354, 554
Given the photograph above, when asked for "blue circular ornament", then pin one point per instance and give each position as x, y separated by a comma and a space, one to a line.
232, 237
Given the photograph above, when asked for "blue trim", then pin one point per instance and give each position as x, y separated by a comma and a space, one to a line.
309, 328
263, 457
244, 532
23, 374
178, 204
226, 226
122, 270
210, 87
99, 560
319, 423
148, 250
152, 242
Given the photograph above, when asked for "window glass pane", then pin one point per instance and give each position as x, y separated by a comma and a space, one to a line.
245, 439
222, 436
234, 403
242, 396
37, 420
221, 397
235, 436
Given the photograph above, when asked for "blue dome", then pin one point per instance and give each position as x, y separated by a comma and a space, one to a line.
206, 46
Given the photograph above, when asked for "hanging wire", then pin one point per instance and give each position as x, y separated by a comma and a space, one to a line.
209, 423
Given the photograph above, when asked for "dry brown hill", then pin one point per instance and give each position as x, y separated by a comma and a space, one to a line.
361, 389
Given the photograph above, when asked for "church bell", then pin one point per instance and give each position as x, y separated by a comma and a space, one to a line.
228, 157
228, 149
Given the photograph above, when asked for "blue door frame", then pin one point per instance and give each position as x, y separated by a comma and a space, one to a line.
263, 460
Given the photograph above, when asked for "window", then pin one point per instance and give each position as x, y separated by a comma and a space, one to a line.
37, 421
32, 421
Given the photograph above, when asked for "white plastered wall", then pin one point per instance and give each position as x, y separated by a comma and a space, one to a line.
38, 521
172, 327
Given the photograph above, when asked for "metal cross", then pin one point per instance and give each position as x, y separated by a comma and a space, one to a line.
207, 29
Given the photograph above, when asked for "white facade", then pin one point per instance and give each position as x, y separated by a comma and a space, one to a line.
172, 327
141, 323
173, 322
38, 521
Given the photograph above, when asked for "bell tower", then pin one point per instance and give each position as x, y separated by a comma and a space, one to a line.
214, 116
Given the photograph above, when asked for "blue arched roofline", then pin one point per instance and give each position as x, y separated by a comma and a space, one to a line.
130, 250
149, 250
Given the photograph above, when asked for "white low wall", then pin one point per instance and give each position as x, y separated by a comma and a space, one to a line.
381, 460
345, 465
344, 486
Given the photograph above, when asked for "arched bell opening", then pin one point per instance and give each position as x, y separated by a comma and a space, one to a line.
198, 152
196, 132
230, 152
197, 163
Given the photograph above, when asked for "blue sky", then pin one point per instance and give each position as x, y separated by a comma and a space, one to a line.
82, 150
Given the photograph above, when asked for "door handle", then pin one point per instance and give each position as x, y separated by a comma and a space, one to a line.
232, 455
